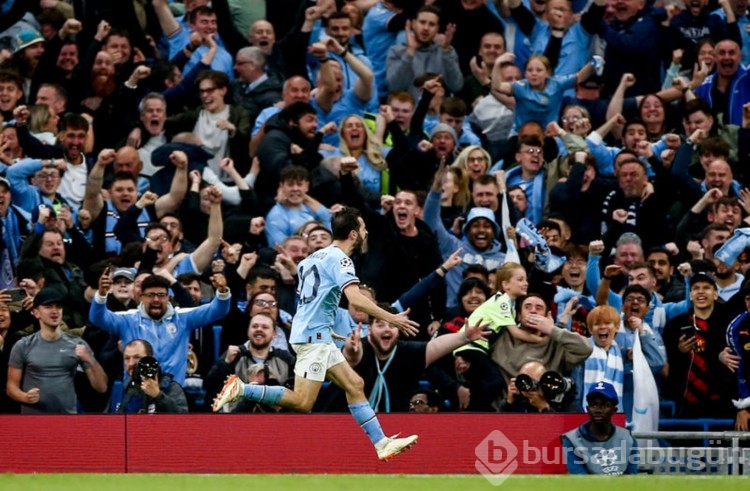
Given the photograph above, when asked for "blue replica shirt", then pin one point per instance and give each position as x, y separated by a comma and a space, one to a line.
542, 106
323, 276
281, 222
264, 116
222, 61
378, 40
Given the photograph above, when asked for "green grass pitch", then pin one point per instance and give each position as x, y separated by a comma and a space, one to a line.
317, 482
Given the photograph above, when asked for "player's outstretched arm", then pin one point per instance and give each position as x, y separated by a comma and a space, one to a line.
442, 345
361, 302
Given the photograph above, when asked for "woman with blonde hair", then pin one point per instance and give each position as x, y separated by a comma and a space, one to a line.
474, 160
43, 123
356, 140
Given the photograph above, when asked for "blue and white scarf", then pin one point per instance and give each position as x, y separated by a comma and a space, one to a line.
604, 366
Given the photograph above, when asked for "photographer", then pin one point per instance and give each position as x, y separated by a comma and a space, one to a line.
243, 360
148, 389
537, 390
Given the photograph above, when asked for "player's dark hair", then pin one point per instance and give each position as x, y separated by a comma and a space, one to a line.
344, 222
154, 281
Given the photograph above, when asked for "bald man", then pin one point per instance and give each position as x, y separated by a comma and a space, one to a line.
128, 160
526, 401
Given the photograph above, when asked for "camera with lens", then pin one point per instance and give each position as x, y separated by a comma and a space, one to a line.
553, 385
147, 367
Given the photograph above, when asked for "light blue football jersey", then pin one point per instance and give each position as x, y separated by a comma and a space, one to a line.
322, 278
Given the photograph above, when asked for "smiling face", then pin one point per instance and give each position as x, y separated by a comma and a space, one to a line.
570, 120
308, 125
706, 55
205, 24
47, 180
212, 96
72, 143
473, 299
119, 44
627, 254
261, 331
123, 193
485, 195
729, 215
476, 164
67, 60
4, 318
353, 132
340, 29
153, 116
10, 94
603, 334
480, 233
719, 176
4, 199
405, 210
263, 36
574, 272
728, 56
517, 285
652, 110
122, 289
383, 337
318, 239
703, 295
491, 46
531, 159
295, 191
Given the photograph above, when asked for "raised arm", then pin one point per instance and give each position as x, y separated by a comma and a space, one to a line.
94, 371
177, 191
363, 86
498, 85
442, 345
205, 252
168, 23
92, 200
326, 77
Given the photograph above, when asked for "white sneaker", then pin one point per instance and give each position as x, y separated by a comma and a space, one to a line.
390, 447
231, 392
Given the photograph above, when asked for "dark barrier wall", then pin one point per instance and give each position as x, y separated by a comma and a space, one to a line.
282, 443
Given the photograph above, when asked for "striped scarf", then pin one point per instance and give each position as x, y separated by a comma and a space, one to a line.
607, 212
604, 366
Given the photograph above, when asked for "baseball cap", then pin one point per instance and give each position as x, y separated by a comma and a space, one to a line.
605, 390
48, 295
124, 273
443, 128
26, 38
480, 212
701, 277
5, 182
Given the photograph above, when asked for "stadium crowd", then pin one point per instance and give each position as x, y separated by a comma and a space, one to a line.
573, 174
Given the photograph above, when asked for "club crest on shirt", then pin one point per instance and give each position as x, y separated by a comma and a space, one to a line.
171, 328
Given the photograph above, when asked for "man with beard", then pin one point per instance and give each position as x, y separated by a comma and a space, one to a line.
669, 287
726, 90
29, 48
411, 170
557, 349
479, 244
43, 365
529, 176
324, 276
123, 193
391, 367
697, 381
728, 280
290, 139
713, 210
421, 54
167, 328
238, 360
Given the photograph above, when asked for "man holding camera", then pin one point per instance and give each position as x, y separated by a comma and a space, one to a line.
537, 390
148, 390
278, 364
696, 379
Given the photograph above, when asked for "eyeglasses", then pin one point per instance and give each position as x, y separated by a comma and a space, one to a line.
532, 151
266, 303
48, 177
476, 159
571, 119
633, 299
206, 90
417, 403
159, 239
153, 295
